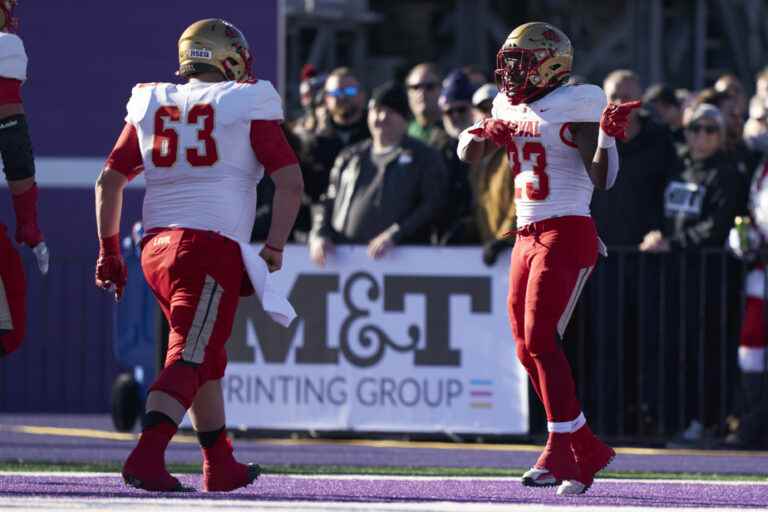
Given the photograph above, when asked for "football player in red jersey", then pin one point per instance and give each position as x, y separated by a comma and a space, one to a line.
560, 142
203, 146
19, 168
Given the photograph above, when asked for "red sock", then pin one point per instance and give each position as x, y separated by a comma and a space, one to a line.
582, 436
557, 387
145, 466
220, 451
157, 437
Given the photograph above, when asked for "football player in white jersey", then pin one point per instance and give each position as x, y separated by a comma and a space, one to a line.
19, 168
560, 142
203, 146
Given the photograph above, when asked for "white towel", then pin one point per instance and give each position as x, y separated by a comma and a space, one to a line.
273, 302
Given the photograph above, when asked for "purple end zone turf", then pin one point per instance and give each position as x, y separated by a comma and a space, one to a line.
278, 487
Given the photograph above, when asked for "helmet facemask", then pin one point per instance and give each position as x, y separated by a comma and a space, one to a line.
535, 59
516, 74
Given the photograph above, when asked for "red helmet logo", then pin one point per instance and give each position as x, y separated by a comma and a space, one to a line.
551, 35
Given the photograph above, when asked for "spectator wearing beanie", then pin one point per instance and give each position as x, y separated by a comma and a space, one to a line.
456, 225
384, 191
662, 101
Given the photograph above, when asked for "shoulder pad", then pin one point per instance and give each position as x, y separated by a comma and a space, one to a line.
498, 104
13, 57
256, 100
141, 94
585, 103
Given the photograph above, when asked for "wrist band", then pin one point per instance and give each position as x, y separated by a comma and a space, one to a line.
272, 248
605, 141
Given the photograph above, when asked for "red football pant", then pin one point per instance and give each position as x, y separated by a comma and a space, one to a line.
13, 296
753, 327
195, 276
753, 342
551, 262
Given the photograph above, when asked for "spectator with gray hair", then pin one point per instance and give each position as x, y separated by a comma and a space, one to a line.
633, 206
701, 202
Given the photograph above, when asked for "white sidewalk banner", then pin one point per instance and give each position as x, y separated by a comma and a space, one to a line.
418, 341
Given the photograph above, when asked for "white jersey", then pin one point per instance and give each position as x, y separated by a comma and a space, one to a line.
13, 57
195, 143
550, 178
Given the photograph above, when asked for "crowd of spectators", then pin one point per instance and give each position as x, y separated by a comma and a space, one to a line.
380, 168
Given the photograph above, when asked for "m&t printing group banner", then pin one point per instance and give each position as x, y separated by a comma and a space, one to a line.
418, 341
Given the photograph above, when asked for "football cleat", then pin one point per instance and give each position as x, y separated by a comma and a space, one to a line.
221, 472
169, 484
138, 472
536, 477
592, 456
556, 463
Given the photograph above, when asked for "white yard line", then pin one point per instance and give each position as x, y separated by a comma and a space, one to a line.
195, 505
72, 474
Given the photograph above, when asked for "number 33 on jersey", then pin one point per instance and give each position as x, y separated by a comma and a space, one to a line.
549, 174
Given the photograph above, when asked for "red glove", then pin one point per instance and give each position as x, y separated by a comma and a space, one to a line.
111, 273
497, 130
615, 118
25, 206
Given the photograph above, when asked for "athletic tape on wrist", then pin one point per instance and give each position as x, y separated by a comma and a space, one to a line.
605, 141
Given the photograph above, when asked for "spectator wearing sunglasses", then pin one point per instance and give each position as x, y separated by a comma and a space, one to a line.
344, 99
701, 202
729, 104
457, 224
423, 85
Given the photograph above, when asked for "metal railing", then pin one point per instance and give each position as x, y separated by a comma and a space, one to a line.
653, 343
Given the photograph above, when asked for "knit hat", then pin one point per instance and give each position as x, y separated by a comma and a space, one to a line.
456, 87
392, 95
662, 93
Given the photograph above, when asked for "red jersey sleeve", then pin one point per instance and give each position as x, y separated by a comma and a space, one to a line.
125, 157
10, 91
270, 145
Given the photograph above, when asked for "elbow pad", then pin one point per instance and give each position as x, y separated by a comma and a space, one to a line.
16, 148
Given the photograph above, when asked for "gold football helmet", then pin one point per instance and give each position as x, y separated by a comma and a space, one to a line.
8, 23
535, 58
216, 43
